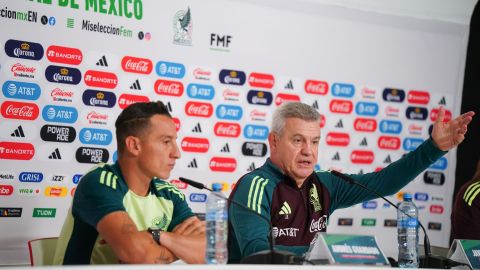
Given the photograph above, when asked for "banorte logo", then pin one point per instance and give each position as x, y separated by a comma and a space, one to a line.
198, 109
100, 79
261, 80
434, 209
64, 55
365, 124
434, 115
223, 164
418, 97
169, 88
179, 184
6, 190
54, 191
197, 145
137, 65
16, 150
362, 157
20, 110
126, 100
389, 142
282, 98
338, 139
316, 87
224, 129
177, 123
341, 106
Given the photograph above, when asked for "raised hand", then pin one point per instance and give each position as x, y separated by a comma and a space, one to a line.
450, 134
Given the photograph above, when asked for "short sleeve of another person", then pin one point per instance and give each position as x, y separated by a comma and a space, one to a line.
181, 210
99, 193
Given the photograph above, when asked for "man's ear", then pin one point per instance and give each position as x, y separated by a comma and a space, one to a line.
272, 141
132, 145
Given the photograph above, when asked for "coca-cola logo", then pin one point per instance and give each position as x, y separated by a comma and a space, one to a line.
169, 88
64, 55
365, 124
137, 65
282, 98
388, 142
434, 115
362, 157
198, 109
6, 190
418, 97
179, 184
338, 139
341, 106
319, 225
436, 209
20, 110
198, 145
316, 87
222, 164
126, 100
224, 129
16, 150
100, 79
261, 80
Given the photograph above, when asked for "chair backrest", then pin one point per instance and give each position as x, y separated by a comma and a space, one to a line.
42, 250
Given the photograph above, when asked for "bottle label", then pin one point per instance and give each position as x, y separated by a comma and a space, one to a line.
409, 223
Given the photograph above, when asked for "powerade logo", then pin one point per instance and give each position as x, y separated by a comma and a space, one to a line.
393, 95
92, 155
254, 149
390, 126
420, 196
24, 49
99, 98
366, 108
95, 136
410, 144
58, 74
229, 112
51, 133
30, 177
416, 113
255, 132
198, 197
76, 178
200, 91
440, 164
235, 77
61, 114
343, 90
170, 69
370, 205
259, 97
21, 90
434, 178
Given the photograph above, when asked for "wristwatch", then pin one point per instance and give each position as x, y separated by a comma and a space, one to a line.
155, 232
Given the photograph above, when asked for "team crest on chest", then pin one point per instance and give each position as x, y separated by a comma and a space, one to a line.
314, 200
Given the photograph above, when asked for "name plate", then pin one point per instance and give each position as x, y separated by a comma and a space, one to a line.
346, 249
466, 251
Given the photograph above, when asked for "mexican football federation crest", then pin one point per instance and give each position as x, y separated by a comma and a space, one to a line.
182, 27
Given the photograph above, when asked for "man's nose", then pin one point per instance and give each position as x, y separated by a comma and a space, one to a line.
176, 152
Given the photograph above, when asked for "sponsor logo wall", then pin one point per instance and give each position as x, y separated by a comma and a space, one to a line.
61, 95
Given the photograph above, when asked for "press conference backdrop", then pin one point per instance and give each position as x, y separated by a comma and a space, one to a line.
69, 67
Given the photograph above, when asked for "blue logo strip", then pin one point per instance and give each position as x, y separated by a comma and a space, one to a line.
60, 114
95, 136
21, 90
200, 91
229, 112
170, 69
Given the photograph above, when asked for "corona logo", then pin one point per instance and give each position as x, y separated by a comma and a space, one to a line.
25, 46
63, 71
233, 74
100, 95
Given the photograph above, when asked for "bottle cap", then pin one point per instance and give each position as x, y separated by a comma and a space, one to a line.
407, 196
217, 187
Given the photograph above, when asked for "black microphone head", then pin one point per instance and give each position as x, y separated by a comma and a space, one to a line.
192, 183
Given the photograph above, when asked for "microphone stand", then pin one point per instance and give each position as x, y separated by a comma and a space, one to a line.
270, 256
426, 261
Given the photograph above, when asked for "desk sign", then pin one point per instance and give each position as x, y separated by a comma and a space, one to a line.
466, 251
346, 249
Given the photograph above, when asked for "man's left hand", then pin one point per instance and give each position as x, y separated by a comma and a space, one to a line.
450, 134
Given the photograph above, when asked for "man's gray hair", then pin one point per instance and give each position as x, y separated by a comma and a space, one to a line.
292, 110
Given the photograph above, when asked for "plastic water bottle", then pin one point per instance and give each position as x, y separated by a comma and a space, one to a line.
407, 233
217, 227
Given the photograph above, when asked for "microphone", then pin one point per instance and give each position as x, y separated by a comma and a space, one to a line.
426, 261
270, 256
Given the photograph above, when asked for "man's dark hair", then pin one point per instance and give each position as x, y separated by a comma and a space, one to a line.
135, 119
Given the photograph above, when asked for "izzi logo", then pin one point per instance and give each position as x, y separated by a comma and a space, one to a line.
254, 149
61, 114
92, 155
235, 77
259, 97
416, 113
30, 177
343, 90
44, 212
99, 98
393, 95
24, 49
229, 112
67, 75
21, 90
51, 133
10, 212
366, 108
95, 136
200, 91
255, 132
170, 69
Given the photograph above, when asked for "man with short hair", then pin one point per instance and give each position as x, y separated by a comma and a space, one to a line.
124, 212
298, 200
